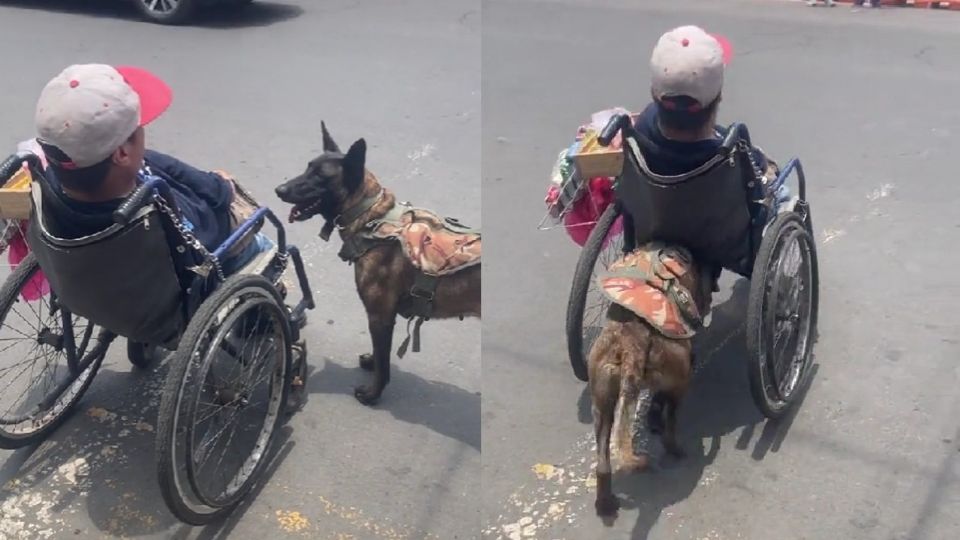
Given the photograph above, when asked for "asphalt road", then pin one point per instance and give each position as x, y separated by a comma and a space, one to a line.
865, 99
250, 92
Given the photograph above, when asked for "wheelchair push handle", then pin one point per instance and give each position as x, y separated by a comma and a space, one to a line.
616, 124
737, 132
134, 202
13, 163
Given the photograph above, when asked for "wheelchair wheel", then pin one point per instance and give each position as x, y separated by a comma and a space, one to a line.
223, 399
782, 314
141, 355
44, 370
587, 306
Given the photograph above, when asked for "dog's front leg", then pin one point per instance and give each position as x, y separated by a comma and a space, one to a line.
381, 333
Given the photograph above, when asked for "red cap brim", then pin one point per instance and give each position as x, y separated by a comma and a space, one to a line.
155, 95
725, 46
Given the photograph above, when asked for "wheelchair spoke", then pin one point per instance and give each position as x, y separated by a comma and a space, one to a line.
231, 422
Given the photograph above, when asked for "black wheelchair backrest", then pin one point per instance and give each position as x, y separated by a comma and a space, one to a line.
122, 278
707, 210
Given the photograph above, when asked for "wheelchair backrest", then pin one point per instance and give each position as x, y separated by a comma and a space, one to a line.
122, 278
706, 210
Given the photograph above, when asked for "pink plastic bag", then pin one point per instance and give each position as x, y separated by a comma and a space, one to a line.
587, 210
38, 286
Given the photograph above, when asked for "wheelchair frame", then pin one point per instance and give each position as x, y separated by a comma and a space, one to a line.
774, 386
205, 293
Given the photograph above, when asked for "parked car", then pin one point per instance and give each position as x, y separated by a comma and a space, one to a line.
179, 11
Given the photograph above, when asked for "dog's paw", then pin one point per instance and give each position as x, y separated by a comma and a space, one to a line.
607, 505
366, 362
366, 395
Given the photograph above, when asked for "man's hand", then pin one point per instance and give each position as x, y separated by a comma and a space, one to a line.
228, 178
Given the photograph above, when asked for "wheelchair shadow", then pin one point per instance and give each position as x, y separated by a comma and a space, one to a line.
443, 408
718, 403
281, 449
258, 14
103, 458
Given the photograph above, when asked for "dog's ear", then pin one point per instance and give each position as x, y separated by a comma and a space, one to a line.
353, 165
328, 144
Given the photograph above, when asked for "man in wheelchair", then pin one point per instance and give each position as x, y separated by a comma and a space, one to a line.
90, 123
677, 132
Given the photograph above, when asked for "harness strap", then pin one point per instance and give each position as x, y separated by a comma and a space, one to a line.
421, 308
417, 323
350, 215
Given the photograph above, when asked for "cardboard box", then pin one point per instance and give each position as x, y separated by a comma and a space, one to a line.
15, 196
593, 160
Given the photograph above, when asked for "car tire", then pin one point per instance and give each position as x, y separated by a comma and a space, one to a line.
167, 11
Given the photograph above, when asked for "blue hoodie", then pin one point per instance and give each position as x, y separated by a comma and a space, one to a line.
203, 198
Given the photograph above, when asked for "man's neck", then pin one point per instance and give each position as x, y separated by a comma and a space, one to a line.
702, 134
112, 189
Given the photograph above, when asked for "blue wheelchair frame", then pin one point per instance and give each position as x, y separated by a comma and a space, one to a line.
156, 186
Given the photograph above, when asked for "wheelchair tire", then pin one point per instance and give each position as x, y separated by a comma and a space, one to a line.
775, 386
191, 368
50, 411
583, 276
141, 355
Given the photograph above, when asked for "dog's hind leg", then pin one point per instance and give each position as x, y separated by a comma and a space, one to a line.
605, 390
381, 333
673, 399
629, 460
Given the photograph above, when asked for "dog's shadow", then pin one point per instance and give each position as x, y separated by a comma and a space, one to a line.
718, 403
442, 407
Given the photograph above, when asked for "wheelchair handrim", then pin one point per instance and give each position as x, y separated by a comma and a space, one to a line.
783, 375
183, 476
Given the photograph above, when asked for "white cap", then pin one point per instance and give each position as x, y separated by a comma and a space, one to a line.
687, 61
89, 110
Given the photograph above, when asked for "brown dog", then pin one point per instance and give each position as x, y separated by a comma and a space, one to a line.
338, 187
631, 353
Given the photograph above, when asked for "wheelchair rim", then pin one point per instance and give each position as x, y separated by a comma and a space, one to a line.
234, 397
53, 381
787, 321
596, 303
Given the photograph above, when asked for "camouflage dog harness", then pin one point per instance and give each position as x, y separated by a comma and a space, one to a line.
436, 246
647, 282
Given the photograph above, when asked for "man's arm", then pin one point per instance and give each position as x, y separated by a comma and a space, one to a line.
215, 190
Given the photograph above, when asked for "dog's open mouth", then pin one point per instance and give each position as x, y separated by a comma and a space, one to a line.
304, 211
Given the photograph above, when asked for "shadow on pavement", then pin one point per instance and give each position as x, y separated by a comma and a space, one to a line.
718, 403
104, 458
259, 13
444, 408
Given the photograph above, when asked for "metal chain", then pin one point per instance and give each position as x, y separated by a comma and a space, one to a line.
745, 148
188, 236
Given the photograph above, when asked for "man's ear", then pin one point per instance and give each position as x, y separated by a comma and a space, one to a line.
121, 156
328, 143
354, 164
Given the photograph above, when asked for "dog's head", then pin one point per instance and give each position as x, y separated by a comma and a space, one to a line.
328, 182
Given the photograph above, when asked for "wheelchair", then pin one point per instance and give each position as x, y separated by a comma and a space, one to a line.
724, 214
236, 349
